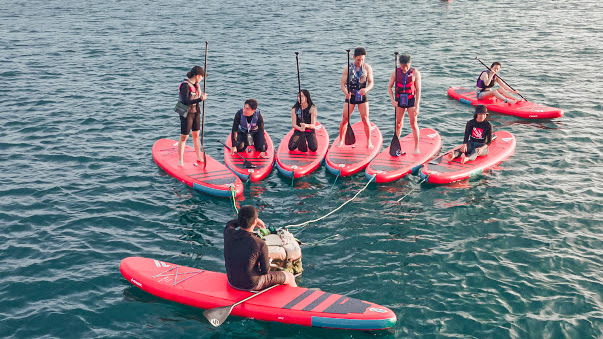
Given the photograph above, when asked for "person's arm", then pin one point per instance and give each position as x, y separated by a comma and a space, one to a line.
185, 92
489, 134
369, 80
313, 114
260, 124
391, 89
295, 126
468, 127
264, 260
343, 83
417, 90
235, 127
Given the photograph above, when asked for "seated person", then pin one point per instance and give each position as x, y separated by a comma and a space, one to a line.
248, 129
487, 80
478, 135
246, 255
303, 120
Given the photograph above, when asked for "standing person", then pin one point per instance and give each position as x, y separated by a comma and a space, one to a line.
478, 136
248, 129
487, 79
190, 95
246, 255
361, 82
408, 96
303, 121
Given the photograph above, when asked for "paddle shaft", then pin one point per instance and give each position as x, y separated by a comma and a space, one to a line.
396, 91
503, 80
203, 114
245, 161
348, 84
253, 296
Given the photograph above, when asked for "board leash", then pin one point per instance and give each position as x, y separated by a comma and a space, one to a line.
414, 189
304, 224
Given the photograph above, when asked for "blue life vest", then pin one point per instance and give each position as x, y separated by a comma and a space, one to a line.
355, 75
248, 127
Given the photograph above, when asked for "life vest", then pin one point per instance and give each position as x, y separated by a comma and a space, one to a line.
248, 127
284, 251
354, 76
303, 115
480, 83
405, 83
195, 93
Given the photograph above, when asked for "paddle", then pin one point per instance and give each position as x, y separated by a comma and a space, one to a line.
476, 58
246, 163
394, 147
302, 136
218, 315
203, 115
350, 138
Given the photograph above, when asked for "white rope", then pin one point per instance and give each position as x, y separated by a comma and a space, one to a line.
335, 210
412, 190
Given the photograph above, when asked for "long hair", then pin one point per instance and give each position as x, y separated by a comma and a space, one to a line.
307, 95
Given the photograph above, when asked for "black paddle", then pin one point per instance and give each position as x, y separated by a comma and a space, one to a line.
302, 135
476, 58
246, 163
394, 148
203, 115
350, 138
218, 315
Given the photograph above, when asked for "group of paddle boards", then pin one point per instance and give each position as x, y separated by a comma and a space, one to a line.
297, 305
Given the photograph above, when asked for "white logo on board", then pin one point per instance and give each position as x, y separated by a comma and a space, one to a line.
378, 310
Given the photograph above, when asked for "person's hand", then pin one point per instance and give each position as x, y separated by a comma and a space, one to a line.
348, 95
394, 103
203, 96
362, 91
233, 150
302, 126
260, 223
463, 148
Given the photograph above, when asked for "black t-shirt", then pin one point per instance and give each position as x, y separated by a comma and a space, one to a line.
478, 132
185, 92
245, 256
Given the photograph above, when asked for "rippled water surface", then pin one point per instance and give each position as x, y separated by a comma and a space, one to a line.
87, 88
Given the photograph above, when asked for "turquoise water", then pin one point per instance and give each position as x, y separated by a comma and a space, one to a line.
87, 88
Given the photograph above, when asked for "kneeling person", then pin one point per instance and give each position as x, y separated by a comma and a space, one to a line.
478, 135
246, 255
248, 129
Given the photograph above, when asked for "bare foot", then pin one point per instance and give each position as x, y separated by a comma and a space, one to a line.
180, 164
200, 160
463, 159
340, 144
370, 145
511, 101
416, 151
264, 155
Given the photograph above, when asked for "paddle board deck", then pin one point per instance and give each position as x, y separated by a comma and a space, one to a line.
263, 165
215, 179
386, 168
284, 304
351, 159
522, 109
442, 171
296, 164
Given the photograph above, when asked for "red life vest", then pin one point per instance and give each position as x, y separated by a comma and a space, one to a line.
195, 93
405, 82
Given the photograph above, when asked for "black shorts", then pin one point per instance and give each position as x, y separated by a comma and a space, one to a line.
270, 279
354, 102
411, 103
192, 122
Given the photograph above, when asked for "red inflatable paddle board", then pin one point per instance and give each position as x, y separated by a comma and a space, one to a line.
284, 304
522, 109
263, 165
442, 171
386, 168
215, 179
295, 164
350, 159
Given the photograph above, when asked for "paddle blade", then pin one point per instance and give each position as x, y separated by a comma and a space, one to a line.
247, 164
217, 316
350, 138
395, 149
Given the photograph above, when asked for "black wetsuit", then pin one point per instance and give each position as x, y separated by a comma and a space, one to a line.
192, 122
477, 134
245, 256
241, 142
309, 142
